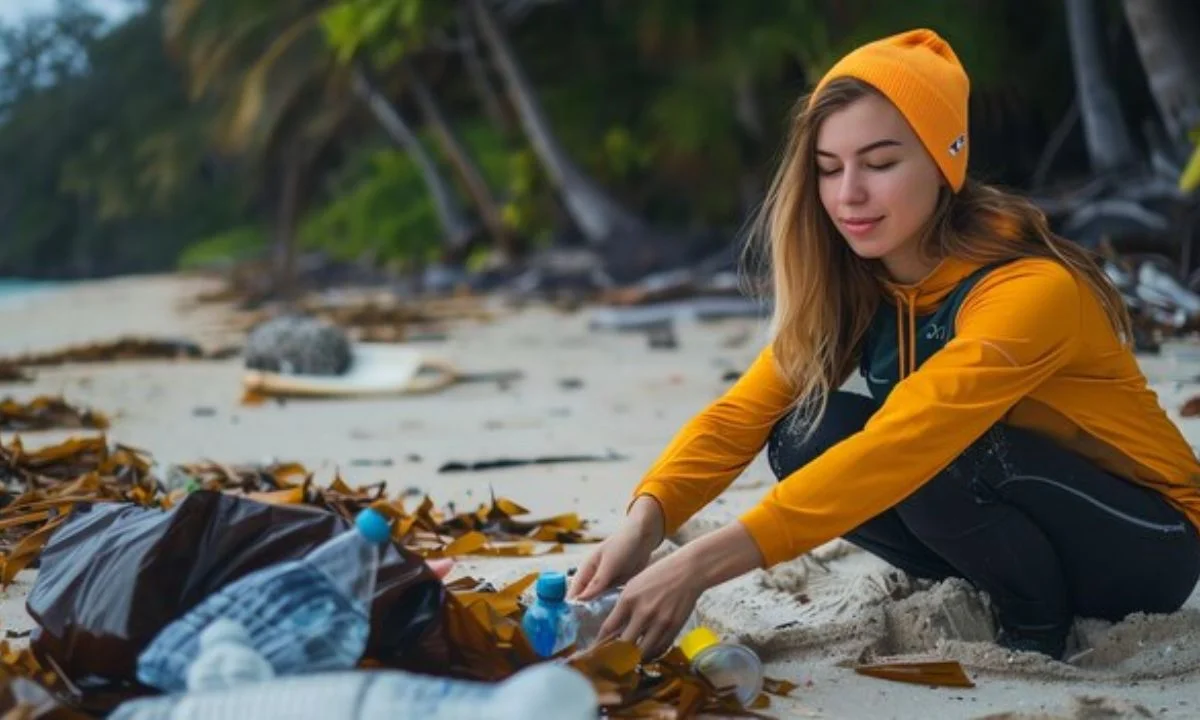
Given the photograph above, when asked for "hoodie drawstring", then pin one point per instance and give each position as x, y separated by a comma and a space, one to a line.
906, 352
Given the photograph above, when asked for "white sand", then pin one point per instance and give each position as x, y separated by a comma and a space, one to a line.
809, 618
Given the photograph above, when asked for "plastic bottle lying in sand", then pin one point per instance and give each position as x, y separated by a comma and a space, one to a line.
305, 615
553, 624
725, 664
590, 616
546, 690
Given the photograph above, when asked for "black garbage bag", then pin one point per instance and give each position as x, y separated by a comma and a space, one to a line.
114, 575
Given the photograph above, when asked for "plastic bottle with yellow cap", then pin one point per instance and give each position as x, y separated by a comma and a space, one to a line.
726, 665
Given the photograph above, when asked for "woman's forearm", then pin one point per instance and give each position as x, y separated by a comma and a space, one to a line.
722, 555
648, 515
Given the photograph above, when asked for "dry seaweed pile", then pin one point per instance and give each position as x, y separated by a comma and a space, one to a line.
378, 319
40, 487
47, 413
664, 688
123, 348
15, 374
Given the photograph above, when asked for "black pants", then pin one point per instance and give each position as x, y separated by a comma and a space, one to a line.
1047, 534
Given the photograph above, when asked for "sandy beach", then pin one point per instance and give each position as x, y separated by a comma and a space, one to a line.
591, 392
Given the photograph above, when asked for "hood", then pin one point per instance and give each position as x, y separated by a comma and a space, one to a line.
926, 294
920, 298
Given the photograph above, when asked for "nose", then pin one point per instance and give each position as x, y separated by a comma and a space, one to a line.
851, 190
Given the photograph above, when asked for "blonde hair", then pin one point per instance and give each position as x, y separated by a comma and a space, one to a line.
825, 295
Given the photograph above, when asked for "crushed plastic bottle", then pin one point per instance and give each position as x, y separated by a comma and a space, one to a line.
226, 659
305, 615
545, 690
727, 665
590, 616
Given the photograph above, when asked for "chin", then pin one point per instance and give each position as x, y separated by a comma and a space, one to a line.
869, 250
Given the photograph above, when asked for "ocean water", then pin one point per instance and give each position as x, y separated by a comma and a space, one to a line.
14, 291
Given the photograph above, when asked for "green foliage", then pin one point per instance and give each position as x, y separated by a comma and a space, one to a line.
239, 243
379, 209
112, 172
131, 149
387, 30
527, 210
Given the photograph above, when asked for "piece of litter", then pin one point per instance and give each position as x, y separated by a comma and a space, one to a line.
458, 466
948, 673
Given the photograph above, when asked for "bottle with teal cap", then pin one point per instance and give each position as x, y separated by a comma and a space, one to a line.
305, 615
549, 624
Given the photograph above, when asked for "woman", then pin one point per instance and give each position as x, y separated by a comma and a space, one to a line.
1010, 437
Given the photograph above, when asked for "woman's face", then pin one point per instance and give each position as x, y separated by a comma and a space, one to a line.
877, 183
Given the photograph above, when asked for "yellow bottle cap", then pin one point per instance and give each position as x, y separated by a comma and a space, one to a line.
696, 641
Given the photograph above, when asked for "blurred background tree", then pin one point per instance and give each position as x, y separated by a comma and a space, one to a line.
397, 133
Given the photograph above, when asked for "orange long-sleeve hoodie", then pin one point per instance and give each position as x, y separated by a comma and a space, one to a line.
1031, 347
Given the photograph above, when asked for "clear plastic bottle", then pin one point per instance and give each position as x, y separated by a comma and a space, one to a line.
226, 659
304, 615
546, 690
725, 664
549, 624
590, 616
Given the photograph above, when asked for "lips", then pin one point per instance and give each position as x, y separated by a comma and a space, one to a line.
859, 226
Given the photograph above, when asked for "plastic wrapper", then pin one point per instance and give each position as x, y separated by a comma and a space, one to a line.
113, 575
24, 698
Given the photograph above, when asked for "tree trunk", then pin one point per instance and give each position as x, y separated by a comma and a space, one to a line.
454, 222
1108, 142
1162, 31
493, 105
284, 241
599, 217
462, 161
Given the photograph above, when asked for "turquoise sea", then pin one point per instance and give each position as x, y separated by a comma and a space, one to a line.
16, 289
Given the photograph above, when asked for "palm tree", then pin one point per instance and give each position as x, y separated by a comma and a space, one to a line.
458, 229
1164, 31
601, 219
282, 100
361, 31
1109, 145
465, 165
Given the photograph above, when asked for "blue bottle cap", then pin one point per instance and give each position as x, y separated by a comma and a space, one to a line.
373, 526
551, 586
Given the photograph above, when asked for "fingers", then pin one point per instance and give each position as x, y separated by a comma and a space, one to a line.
652, 631
583, 580
655, 638
635, 627
615, 621
441, 568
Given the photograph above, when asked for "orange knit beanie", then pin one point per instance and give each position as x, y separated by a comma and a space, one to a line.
920, 74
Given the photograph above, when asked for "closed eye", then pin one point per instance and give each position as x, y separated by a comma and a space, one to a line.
881, 166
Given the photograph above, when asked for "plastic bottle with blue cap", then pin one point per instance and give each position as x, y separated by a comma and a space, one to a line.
553, 624
306, 615
548, 622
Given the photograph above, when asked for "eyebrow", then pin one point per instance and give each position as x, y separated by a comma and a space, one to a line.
865, 148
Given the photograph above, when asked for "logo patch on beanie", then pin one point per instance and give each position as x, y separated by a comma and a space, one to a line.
958, 144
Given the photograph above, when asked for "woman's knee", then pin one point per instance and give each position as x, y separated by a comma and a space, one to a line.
788, 448
943, 506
